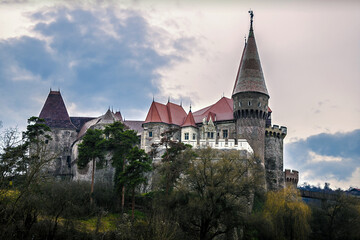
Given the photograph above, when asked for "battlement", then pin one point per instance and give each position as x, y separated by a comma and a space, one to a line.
276, 131
291, 177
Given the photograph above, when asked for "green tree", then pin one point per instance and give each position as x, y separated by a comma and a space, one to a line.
139, 163
339, 219
26, 160
120, 141
174, 161
212, 197
288, 214
92, 149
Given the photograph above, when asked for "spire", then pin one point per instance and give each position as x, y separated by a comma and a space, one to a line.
54, 111
250, 77
189, 120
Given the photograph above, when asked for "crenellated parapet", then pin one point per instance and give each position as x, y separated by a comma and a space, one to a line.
276, 131
291, 177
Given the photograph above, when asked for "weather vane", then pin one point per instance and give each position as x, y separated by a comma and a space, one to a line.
251, 17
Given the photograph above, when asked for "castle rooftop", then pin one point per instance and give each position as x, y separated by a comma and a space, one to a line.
250, 77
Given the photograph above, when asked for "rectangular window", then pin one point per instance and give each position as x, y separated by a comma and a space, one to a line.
150, 134
186, 136
194, 136
210, 134
225, 133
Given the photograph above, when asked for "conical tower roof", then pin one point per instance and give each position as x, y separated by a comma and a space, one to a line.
54, 112
250, 77
189, 121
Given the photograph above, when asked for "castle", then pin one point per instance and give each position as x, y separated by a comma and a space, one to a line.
242, 122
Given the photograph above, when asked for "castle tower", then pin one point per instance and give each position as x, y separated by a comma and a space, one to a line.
251, 97
63, 134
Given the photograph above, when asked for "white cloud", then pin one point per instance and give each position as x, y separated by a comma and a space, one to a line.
352, 181
314, 158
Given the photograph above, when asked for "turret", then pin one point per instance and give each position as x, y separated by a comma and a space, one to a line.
251, 97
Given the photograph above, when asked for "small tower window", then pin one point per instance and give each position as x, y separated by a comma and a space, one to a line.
239, 104
186, 136
150, 134
259, 104
249, 103
194, 136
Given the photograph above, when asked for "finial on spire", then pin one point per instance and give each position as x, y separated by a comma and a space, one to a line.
181, 102
251, 18
168, 99
190, 107
153, 98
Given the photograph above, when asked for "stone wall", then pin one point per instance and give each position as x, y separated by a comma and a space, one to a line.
274, 148
60, 145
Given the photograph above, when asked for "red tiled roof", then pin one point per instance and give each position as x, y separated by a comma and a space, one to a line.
170, 113
189, 121
220, 111
54, 112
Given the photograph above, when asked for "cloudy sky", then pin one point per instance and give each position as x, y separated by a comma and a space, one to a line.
122, 53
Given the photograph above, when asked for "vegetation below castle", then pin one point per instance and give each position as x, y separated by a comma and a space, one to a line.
195, 194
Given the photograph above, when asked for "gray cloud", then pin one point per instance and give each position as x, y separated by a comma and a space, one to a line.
96, 58
332, 156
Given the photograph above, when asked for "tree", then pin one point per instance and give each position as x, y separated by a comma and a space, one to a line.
92, 148
139, 163
212, 197
26, 159
174, 160
288, 214
120, 141
339, 219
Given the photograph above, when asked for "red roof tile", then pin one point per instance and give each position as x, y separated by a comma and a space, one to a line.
189, 121
220, 111
170, 113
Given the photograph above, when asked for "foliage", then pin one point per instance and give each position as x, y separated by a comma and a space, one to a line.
339, 219
120, 141
134, 174
213, 196
26, 160
174, 160
288, 214
92, 147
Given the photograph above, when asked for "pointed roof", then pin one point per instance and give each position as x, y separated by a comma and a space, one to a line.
108, 118
250, 77
220, 111
118, 116
170, 113
189, 121
54, 112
